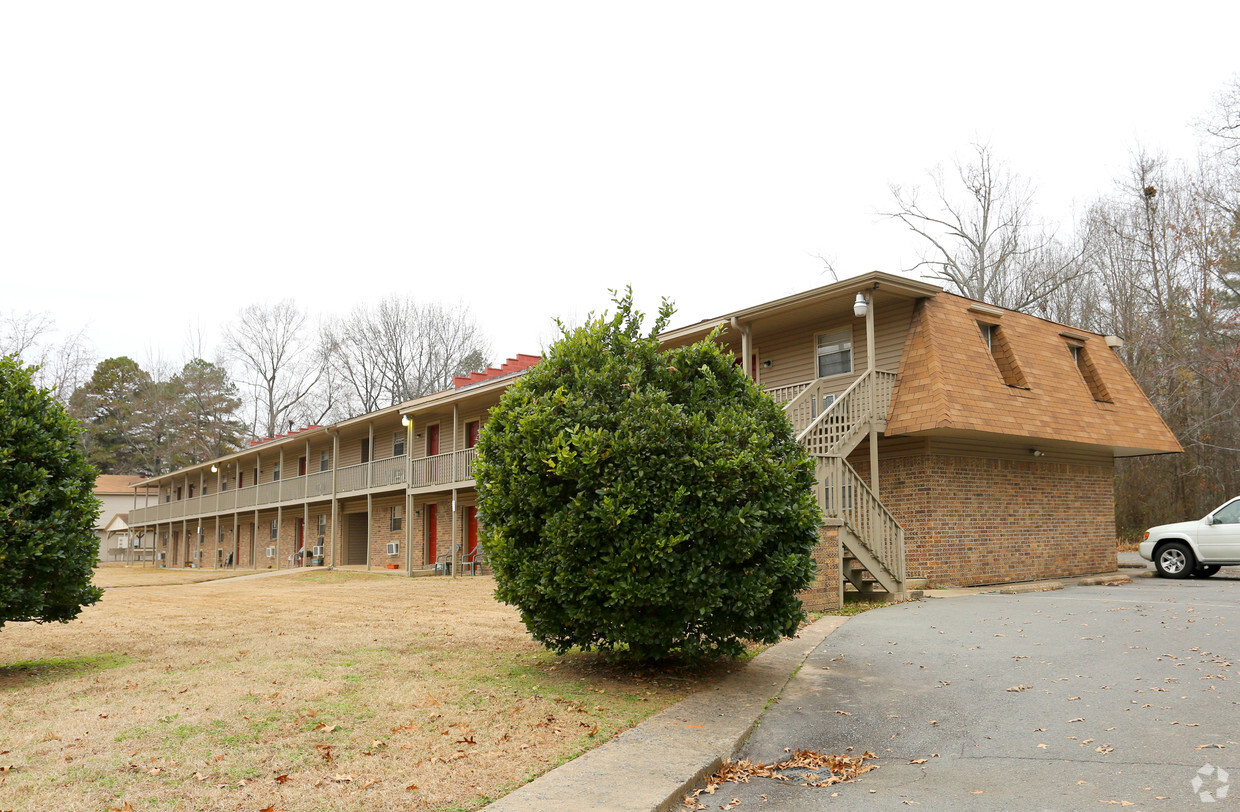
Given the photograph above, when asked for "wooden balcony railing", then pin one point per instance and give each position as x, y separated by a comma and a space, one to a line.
452, 468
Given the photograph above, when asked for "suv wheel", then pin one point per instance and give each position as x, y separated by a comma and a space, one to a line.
1174, 560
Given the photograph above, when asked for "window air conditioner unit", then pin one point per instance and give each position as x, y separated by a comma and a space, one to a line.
393, 547
317, 550
271, 552
137, 543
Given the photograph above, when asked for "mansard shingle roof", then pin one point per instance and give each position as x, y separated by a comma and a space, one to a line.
950, 381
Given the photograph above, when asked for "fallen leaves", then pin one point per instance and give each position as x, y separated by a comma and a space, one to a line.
1018, 688
840, 768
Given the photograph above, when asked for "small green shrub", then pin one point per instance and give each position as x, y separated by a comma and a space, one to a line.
645, 501
48, 546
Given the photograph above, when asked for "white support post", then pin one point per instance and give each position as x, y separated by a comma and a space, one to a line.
456, 549
335, 502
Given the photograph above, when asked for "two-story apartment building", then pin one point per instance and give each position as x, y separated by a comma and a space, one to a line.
955, 442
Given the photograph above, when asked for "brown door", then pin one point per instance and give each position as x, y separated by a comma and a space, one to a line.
355, 548
471, 530
432, 533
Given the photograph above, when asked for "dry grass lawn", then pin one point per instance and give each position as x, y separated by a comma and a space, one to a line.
317, 691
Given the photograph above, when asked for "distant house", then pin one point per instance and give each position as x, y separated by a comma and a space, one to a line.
116, 541
955, 442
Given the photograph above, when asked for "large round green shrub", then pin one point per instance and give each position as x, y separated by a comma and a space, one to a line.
48, 546
652, 502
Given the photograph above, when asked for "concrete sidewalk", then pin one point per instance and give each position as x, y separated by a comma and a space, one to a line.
653, 765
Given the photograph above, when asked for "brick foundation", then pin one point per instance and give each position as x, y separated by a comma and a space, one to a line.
979, 520
826, 591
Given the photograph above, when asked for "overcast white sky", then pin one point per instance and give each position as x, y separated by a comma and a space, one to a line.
164, 163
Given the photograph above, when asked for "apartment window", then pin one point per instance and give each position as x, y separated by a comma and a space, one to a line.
471, 433
398, 444
275, 528
396, 516
366, 450
241, 479
834, 352
275, 472
1089, 372
206, 489
191, 491
224, 484
325, 460
322, 528
168, 496
1004, 358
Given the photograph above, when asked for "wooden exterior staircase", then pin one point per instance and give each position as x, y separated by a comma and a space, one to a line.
830, 427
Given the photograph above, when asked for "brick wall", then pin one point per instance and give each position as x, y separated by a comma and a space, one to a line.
825, 593
978, 520
381, 532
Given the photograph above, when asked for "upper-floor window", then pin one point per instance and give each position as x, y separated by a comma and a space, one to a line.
366, 449
834, 352
206, 489
1089, 372
275, 472
325, 460
1004, 357
398, 444
191, 490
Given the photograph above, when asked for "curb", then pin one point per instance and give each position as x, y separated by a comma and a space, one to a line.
653, 765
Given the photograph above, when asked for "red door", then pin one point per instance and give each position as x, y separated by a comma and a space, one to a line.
432, 533
471, 434
471, 530
301, 541
432, 448
301, 467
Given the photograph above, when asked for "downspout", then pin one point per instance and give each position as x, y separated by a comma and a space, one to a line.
870, 369
746, 339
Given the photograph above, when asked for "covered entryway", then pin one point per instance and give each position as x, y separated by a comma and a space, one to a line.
355, 539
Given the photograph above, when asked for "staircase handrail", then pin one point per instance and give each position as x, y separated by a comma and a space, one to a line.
842, 405
865, 515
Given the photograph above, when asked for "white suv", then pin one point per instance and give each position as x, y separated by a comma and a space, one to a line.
1195, 548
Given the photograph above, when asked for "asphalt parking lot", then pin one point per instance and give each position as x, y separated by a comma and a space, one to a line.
1082, 698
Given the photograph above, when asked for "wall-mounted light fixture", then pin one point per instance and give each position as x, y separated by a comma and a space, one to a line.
861, 306
214, 470
1035, 452
766, 364
404, 420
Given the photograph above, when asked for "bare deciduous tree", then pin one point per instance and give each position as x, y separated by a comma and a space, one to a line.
276, 349
63, 365
982, 240
399, 349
